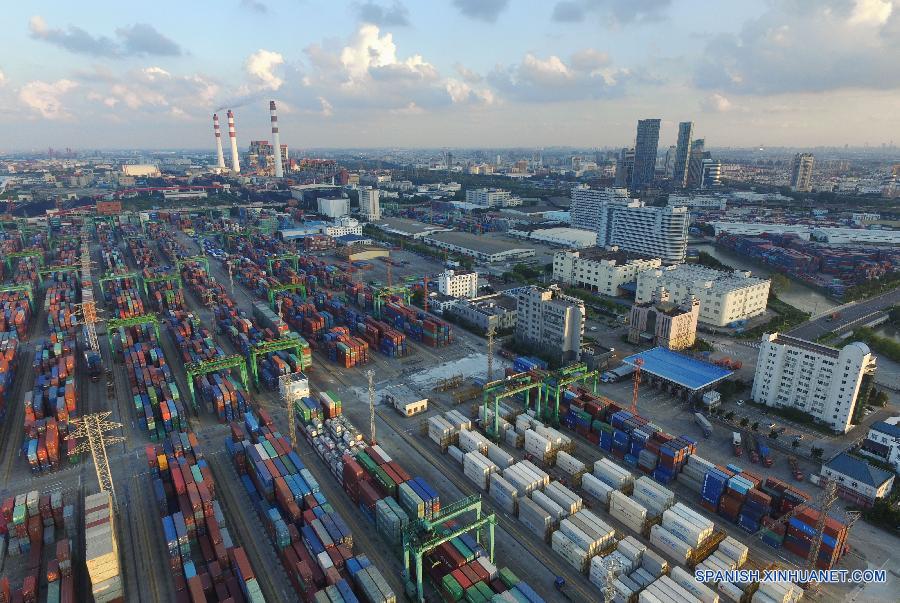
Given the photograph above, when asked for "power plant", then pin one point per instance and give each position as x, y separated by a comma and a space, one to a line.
235, 160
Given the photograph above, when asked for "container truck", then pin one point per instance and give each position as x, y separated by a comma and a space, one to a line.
704, 424
736, 443
765, 455
93, 364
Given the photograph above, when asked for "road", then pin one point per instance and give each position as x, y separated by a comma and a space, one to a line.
851, 316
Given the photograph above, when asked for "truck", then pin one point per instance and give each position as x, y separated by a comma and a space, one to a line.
704, 424
795, 468
93, 364
617, 374
765, 454
736, 443
752, 444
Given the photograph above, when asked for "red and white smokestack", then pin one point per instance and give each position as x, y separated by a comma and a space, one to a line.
276, 141
235, 160
220, 157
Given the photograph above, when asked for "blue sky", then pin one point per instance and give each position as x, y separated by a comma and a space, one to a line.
450, 72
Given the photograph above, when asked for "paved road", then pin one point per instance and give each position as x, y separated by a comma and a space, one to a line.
850, 317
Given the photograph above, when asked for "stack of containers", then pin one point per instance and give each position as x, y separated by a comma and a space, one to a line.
652, 496
571, 466
694, 473
756, 506
596, 489
472, 441
524, 478
331, 405
440, 431
341, 347
164, 295
627, 511
51, 403
370, 584
714, 483
734, 497
784, 496
101, 549
9, 344
687, 525
155, 394
504, 493
801, 532
539, 447
534, 517
202, 556
565, 498
60, 301
613, 475
478, 469
390, 519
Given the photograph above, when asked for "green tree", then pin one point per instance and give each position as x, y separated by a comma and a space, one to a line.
418, 297
744, 421
729, 415
755, 426
880, 399
795, 444
817, 452
773, 434
780, 283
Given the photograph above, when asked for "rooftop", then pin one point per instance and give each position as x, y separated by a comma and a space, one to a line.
720, 279
351, 238
614, 255
809, 346
481, 243
407, 226
888, 427
685, 371
859, 470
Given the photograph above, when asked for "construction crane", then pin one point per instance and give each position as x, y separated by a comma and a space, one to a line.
371, 375
490, 355
92, 429
637, 383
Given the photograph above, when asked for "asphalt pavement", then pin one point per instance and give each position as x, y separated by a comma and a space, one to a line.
849, 317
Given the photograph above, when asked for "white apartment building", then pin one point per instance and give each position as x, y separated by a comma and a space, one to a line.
699, 201
602, 272
725, 297
333, 208
629, 224
550, 321
883, 442
817, 379
342, 226
369, 203
458, 285
488, 197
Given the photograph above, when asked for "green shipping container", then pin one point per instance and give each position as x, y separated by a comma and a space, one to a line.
465, 551
486, 591
452, 587
508, 577
473, 595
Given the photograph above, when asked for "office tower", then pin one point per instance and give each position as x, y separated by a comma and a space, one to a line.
645, 148
369, 205
683, 154
710, 173
820, 381
801, 172
457, 284
695, 168
669, 165
624, 167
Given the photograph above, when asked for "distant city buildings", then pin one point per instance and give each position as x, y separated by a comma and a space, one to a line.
710, 173
695, 166
664, 323
456, 284
682, 159
645, 150
550, 322
816, 379
600, 271
725, 297
333, 208
369, 203
624, 167
491, 197
143, 170
801, 172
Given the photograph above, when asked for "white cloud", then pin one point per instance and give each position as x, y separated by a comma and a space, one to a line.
410, 109
588, 75
871, 12
2, 77
327, 108
154, 72
548, 70
261, 65
717, 103
45, 97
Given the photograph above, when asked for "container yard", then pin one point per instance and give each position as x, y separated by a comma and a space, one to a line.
212, 347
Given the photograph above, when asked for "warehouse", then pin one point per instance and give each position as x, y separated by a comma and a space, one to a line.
571, 238
681, 375
408, 228
480, 247
856, 480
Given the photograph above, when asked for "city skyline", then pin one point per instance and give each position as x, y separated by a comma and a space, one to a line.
375, 74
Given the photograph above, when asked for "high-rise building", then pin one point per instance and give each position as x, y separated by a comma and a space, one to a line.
488, 197
333, 207
550, 321
457, 284
695, 165
645, 148
656, 232
624, 167
818, 380
669, 164
710, 173
683, 154
369, 205
801, 172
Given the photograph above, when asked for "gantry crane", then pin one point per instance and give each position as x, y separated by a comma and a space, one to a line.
490, 355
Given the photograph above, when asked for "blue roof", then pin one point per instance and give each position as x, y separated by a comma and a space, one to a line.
350, 238
859, 470
685, 371
887, 428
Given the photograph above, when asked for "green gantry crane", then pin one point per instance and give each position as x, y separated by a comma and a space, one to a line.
59, 268
292, 342
143, 319
25, 288
382, 292
117, 276
200, 259
293, 258
286, 287
174, 278
196, 369
500, 390
423, 536
62, 239
31, 253
560, 381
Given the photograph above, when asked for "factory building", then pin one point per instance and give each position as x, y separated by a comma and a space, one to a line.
496, 312
333, 208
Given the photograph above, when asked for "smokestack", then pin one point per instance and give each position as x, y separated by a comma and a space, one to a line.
276, 141
220, 158
235, 160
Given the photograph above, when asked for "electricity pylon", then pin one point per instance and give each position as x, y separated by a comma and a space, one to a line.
92, 429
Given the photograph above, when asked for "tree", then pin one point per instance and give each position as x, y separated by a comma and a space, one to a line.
773, 434
729, 415
780, 283
744, 421
755, 426
418, 297
795, 444
817, 453
879, 398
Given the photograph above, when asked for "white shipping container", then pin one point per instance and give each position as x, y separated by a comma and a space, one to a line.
647, 596
476, 471
543, 475
675, 590
382, 453
529, 475
632, 548
455, 453
439, 430
689, 513
469, 441
458, 420
734, 549
596, 488
761, 597
514, 439
324, 561
782, 592
514, 477
627, 511
569, 464
654, 563
726, 561
503, 493
574, 555
523, 423
698, 590
556, 511
578, 536
564, 497
729, 591
536, 445
612, 474
535, 518
489, 567
670, 545
684, 529
499, 456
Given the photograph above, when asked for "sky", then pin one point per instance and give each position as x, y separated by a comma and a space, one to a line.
449, 73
